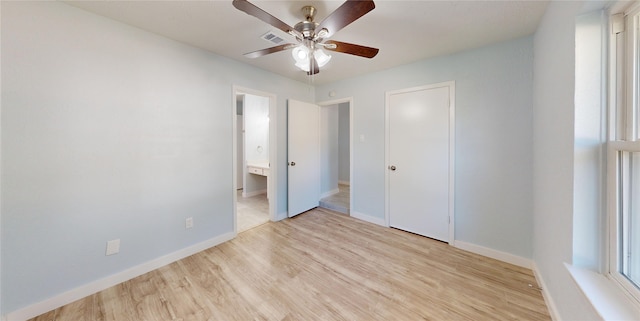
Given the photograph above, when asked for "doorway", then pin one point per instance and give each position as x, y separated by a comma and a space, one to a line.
254, 191
420, 160
335, 150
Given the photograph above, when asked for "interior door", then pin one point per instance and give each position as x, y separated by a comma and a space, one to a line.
303, 156
418, 161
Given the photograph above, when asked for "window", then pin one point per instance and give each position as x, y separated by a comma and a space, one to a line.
624, 154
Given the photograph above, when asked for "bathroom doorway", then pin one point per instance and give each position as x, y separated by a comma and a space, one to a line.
255, 151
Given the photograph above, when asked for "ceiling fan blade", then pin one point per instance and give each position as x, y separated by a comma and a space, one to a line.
313, 64
263, 52
253, 10
347, 13
351, 49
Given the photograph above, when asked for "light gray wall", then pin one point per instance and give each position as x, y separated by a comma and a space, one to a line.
589, 142
343, 142
328, 149
553, 157
1, 305
493, 139
111, 132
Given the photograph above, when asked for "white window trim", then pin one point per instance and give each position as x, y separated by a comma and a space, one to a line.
605, 296
614, 149
622, 98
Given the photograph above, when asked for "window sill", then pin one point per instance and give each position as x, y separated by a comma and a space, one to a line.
605, 297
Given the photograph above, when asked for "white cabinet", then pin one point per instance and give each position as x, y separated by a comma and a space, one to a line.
260, 168
256, 170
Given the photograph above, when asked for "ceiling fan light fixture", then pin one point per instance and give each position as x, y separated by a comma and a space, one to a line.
300, 54
321, 57
323, 33
303, 66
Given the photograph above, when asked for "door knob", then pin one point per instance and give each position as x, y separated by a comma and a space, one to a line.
292, 164
393, 168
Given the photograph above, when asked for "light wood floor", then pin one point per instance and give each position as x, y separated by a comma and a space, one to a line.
321, 266
338, 202
251, 211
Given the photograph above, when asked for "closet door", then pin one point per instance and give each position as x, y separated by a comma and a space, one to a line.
419, 176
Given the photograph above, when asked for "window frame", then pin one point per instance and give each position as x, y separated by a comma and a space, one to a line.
623, 137
616, 148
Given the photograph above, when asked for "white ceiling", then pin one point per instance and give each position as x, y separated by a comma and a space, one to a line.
405, 31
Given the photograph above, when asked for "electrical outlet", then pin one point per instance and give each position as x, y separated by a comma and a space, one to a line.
113, 247
188, 222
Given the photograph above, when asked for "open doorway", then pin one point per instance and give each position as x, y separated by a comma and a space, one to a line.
254, 152
335, 151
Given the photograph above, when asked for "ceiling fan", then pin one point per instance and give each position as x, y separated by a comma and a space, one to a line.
311, 35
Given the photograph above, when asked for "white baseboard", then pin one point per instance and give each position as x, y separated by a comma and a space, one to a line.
551, 305
329, 193
494, 254
107, 282
368, 218
348, 183
254, 193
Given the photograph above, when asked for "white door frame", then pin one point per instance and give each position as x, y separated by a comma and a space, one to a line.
351, 180
452, 131
272, 186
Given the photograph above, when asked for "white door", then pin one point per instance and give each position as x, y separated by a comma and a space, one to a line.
303, 156
418, 161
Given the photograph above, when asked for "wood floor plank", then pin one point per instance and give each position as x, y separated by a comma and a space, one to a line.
321, 265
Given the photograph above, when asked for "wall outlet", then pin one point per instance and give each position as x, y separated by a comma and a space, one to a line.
188, 222
113, 247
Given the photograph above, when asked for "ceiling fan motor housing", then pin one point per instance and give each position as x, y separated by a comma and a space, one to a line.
309, 12
307, 28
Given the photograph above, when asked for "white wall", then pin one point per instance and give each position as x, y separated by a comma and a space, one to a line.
553, 157
111, 132
256, 140
256, 120
493, 139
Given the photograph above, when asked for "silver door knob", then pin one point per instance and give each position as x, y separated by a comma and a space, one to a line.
292, 164
393, 168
